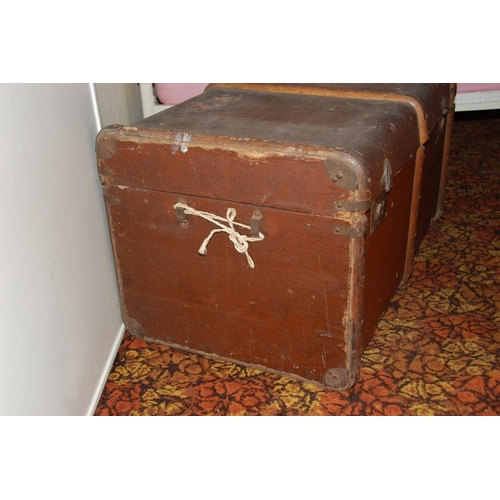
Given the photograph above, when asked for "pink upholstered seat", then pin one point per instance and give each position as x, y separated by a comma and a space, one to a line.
174, 93
476, 87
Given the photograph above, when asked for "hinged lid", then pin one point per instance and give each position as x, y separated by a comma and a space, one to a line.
350, 146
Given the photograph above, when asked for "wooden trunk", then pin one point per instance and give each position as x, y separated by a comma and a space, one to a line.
323, 193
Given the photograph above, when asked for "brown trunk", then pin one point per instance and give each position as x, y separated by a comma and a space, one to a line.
313, 200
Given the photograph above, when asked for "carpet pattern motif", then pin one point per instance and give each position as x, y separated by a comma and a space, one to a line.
435, 352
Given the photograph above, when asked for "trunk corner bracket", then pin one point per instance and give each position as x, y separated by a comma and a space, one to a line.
342, 174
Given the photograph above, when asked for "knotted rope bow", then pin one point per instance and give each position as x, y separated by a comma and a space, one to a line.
240, 241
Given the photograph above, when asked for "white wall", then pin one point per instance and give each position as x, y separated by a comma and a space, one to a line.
60, 321
119, 103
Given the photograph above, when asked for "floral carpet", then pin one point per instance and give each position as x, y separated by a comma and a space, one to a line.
436, 350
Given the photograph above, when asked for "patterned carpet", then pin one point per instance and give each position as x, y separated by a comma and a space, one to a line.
437, 348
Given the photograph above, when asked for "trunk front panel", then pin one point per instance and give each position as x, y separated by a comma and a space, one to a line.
289, 313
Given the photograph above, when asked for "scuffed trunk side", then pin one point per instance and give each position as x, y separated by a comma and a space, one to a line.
387, 249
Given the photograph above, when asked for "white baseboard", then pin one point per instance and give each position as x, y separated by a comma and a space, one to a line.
106, 371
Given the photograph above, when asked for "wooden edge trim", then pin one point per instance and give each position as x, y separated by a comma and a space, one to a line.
412, 230
444, 166
354, 331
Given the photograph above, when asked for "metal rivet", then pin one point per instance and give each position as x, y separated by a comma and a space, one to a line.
340, 204
337, 230
380, 211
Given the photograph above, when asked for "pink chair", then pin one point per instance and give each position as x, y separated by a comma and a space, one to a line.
159, 96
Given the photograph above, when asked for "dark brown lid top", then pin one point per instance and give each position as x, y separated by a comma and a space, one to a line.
431, 100
368, 131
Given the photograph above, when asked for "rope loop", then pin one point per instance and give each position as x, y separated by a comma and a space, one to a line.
227, 225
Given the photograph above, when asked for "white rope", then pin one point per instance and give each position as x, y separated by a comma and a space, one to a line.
240, 241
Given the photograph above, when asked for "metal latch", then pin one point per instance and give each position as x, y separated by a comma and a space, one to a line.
378, 212
387, 176
181, 214
255, 221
